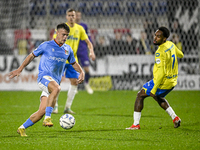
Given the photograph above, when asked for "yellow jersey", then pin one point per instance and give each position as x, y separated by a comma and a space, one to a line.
76, 34
165, 71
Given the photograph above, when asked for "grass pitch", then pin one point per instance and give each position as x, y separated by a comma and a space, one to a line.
101, 120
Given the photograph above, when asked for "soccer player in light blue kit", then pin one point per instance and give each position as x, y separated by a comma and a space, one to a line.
76, 34
54, 55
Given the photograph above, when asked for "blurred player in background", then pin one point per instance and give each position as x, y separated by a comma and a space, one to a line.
76, 34
82, 53
54, 55
165, 74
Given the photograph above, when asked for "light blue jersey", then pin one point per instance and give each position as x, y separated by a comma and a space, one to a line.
53, 59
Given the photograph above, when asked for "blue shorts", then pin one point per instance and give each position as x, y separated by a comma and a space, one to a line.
70, 72
160, 92
84, 60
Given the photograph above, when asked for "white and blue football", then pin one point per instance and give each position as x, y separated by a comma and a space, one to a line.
67, 121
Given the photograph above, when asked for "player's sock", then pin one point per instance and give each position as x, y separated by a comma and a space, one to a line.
55, 109
87, 77
22, 126
48, 112
27, 124
70, 96
171, 112
56, 105
137, 116
57, 101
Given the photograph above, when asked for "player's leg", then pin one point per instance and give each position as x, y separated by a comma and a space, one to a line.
165, 105
35, 117
73, 77
41, 112
139, 104
85, 63
70, 95
52, 88
86, 83
55, 109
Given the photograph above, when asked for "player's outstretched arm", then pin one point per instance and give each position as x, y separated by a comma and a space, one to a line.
17, 72
78, 68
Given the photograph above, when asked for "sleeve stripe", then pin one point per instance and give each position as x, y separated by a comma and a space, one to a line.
73, 63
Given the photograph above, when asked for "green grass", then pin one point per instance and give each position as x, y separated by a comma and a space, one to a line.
101, 120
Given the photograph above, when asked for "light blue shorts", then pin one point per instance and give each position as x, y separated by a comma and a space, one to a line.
44, 82
160, 92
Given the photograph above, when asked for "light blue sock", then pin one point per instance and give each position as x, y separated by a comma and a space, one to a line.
28, 123
48, 111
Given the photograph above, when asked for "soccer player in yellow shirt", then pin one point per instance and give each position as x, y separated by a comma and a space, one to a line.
76, 34
165, 74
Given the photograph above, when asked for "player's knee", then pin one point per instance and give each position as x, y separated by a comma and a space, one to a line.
57, 89
141, 93
74, 81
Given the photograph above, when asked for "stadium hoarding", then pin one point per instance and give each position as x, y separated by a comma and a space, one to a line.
127, 72
130, 72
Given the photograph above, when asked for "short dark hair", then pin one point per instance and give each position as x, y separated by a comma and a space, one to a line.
70, 10
165, 31
63, 26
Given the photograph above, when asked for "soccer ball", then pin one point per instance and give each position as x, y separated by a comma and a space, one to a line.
67, 121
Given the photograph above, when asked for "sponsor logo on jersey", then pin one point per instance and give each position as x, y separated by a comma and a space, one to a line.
57, 59
71, 37
157, 54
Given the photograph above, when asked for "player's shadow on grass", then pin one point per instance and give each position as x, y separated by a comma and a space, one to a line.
114, 139
10, 136
118, 115
110, 115
187, 127
73, 134
95, 130
82, 131
11, 114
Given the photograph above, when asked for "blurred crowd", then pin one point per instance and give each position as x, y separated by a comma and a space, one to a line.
123, 41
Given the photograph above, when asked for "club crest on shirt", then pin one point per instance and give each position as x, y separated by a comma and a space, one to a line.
76, 32
66, 52
53, 50
158, 61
